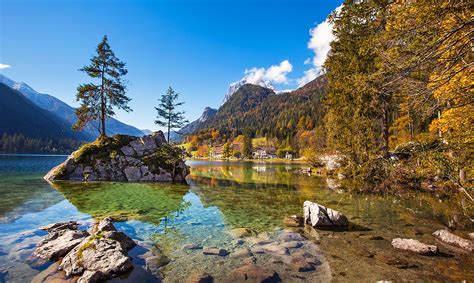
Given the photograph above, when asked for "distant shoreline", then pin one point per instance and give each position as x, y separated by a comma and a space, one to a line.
32, 155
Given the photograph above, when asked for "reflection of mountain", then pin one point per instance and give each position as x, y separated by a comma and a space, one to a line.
22, 196
248, 198
125, 201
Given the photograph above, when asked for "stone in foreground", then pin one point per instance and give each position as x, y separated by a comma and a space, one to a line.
293, 221
61, 239
94, 257
454, 240
122, 158
320, 216
414, 246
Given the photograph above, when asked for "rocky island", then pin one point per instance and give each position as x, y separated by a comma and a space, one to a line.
123, 158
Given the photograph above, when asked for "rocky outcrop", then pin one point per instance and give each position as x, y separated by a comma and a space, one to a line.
319, 216
61, 239
414, 246
454, 240
123, 158
93, 257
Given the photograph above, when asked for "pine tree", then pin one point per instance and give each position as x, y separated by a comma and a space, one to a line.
167, 114
247, 149
98, 100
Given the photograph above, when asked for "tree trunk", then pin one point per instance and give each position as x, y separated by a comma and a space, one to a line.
385, 129
169, 125
102, 105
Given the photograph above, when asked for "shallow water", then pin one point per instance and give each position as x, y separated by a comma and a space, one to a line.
221, 196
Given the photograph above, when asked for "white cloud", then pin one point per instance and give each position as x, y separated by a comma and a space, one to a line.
274, 74
321, 37
4, 66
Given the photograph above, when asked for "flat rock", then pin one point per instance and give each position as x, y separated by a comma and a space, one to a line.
414, 246
199, 277
58, 243
454, 240
126, 242
253, 273
320, 216
275, 249
215, 251
245, 252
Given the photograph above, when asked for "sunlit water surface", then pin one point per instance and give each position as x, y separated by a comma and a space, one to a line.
221, 196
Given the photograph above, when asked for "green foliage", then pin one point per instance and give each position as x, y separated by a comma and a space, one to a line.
168, 157
167, 114
103, 147
265, 114
98, 100
247, 150
19, 143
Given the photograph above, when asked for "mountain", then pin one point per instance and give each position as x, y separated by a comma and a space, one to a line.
264, 112
63, 110
194, 126
24, 126
234, 87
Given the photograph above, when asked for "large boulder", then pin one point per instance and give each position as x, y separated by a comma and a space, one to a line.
320, 216
94, 257
123, 158
454, 240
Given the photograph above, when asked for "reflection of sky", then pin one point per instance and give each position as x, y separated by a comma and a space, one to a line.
62, 211
196, 223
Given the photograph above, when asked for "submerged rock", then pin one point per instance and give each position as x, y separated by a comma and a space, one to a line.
415, 246
454, 240
253, 273
242, 232
318, 215
123, 158
214, 251
199, 277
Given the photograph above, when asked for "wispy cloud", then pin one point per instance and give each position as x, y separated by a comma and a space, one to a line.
4, 66
321, 37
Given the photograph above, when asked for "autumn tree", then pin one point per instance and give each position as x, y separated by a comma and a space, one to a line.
168, 116
99, 99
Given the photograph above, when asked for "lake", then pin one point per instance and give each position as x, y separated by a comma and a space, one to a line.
219, 197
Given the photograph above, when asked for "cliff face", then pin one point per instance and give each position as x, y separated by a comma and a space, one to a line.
123, 158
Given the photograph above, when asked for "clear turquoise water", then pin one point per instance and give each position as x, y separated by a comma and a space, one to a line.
221, 196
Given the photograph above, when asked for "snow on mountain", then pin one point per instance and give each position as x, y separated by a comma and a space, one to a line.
233, 87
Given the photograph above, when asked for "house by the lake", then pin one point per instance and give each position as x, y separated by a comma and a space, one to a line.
264, 153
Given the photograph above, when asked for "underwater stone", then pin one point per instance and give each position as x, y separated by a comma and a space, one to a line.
454, 240
414, 246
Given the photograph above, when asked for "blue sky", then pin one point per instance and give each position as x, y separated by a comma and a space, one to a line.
197, 47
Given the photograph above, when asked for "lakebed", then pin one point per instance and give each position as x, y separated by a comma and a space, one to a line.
220, 197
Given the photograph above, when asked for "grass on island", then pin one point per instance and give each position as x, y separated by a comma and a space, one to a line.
102, 148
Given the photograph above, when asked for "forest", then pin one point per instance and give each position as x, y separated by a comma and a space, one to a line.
395, 101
